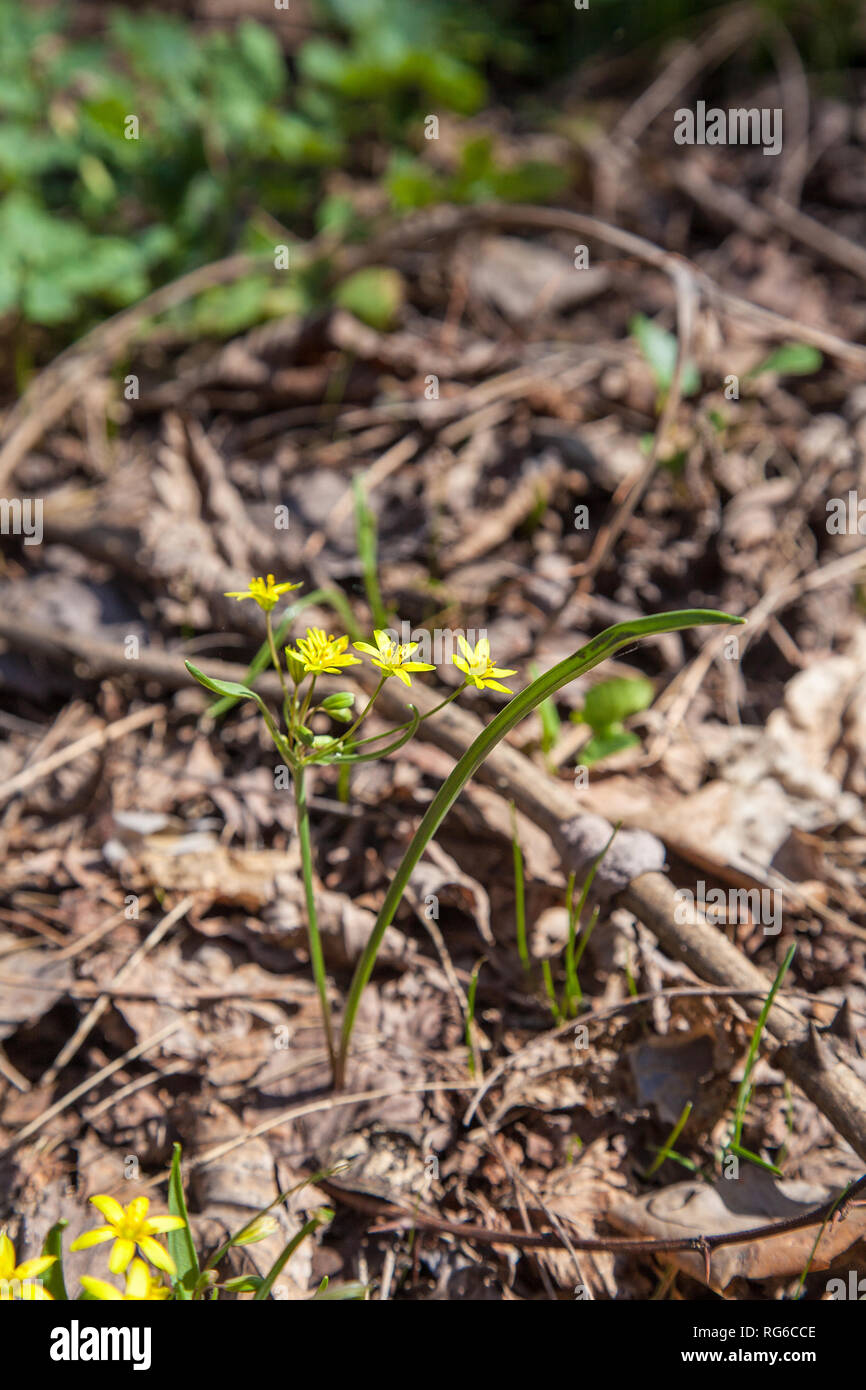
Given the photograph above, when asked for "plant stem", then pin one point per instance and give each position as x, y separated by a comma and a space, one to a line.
364, 712
288, 703
317, 959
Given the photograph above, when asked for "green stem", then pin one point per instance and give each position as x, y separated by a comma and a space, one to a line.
609, 641
317, 959
307, 698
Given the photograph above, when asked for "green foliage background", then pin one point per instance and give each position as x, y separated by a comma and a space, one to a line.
236, 142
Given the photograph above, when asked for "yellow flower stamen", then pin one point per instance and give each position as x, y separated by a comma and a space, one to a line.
321, 654
391, 658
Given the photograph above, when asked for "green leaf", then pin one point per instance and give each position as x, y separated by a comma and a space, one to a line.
263, 56
605, 743
660, 350
229, 688
791, 359
52, 1279
180, 1242
374, 295
611, 701
603, 646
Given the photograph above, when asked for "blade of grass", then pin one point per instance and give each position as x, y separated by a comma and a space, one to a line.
519, 892
550, 991
667, 1148
53, 1279
596, 651
572, 986
180, 1242
745, 1090
470, 1016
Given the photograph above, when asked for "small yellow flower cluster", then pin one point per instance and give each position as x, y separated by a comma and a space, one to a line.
323, 654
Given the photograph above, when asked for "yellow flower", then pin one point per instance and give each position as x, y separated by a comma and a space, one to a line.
265, 592
11, 1274
141, 1287
392, 658
321, 654
478, 668
128, 1228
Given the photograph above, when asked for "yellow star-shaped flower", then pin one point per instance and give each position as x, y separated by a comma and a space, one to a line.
391, 658
141, 1287
265, 592
322, 655
128, 1228
15, 1279
477, 666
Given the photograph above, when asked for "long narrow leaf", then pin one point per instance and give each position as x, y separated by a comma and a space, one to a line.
52, 1279
180, 1243
596, 651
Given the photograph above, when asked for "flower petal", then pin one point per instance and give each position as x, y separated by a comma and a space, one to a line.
137, 1210
84, 1242
7, 1257
137, 1280
31, 1269
464, 647
158, 1225
110, 1208
157, 1254
122, 1252
99, 1288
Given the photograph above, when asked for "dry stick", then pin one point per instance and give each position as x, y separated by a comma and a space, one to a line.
92, 1017
98, 739
735, 26
638, 1245
831, 1084
92, 1081
760, 220
451, 221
